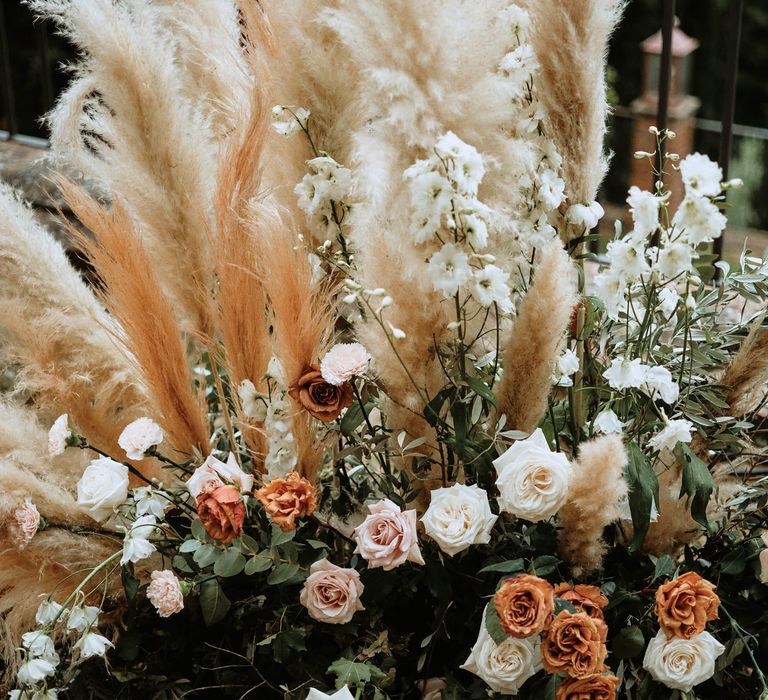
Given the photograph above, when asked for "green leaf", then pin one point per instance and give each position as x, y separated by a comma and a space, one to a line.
665, 567
545, 564
248, 544
432, 409
353, 673
550, 692
205, 555
214, 604
697, 485
643, 490
130, 583
561, 605
190, 546
230, 563
493, 624
256, 564
628, 642
282, 573
279, 537
198, 530
180, 564
481, 389
510, 566
354, 417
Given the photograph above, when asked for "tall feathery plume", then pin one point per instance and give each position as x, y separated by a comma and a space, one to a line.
747, 374
55, 331
127, 122
597, 486
149, 325
537, 335
571, 84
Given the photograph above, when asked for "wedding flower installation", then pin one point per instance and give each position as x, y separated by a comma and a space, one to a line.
346, 408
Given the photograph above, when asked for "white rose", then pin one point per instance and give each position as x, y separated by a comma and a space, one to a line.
102, 488
533, 481
213, 473
506, 666
139, 436
682, 663
458, 517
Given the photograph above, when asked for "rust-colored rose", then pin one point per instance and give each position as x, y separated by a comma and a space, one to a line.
574, 644
684, 605
287, 499
594, 687
322, 400
222, 512
524, 605
584, 598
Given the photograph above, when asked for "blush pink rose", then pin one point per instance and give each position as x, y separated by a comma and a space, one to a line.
26, 520
387, 537
331, 593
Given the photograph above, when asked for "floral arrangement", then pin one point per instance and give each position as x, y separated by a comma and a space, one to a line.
349, 410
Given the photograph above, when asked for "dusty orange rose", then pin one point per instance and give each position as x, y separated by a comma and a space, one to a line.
684, 605
322, 400
222, 512
287, 499
584, 598
594, 687
524, 605
574, 644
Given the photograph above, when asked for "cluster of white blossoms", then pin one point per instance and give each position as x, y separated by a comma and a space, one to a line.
654, 380
443, 192
288, 121
323, 190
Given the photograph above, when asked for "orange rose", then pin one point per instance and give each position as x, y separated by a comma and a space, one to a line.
574, 644
684, 605
584, 598
594, 687
322, 400
524, 605
286, 499
222, 513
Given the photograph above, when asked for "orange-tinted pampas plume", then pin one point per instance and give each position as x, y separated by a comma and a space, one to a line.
747, 374
148, 323
537, 334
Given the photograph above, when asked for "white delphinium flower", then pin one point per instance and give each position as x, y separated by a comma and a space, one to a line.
610, 288
476, 231
699, 219
607, 422
102, 488
551, 189
150, 501
701, 176
644, 208
344, 361
48, 611
682, 663
458, 517
254, 403
668, 301
431, 194
658, 381
519, 63
281, 457
567, 366
136, 545
397, 333
624, 373
58, 436
586, 215
489, 286
341, 694
139, 436
674, 431
449, 269
468, 167
533, 480
39, 646
537, 231
326, 182
518, 21
92, 644
82, 617
627, 258
37, 694
35, 670
287, 121
674, 259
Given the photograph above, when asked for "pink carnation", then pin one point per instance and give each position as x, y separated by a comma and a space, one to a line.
26, 520
164, 592
344, 361
387, 537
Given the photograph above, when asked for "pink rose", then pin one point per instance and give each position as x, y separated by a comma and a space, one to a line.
387, 537
332, 594
164, 592
26, 520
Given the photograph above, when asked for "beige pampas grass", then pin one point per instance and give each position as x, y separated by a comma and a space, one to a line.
747, 374
54, 329
597, 485
148, 323
533, 347
570, 39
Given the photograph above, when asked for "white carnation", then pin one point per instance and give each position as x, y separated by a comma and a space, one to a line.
139, 436
102, 488
58, 436
678, 430
344, 361
682, 663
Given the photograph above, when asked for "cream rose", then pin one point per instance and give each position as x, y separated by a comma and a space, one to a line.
26, 520
102, 488
214, 473
139, 436
532, 480
458, 517
165, 594
387, 537
331, 593
682, 663
506, 666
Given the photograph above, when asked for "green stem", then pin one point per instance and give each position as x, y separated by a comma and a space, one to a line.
87, 446
737, 628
